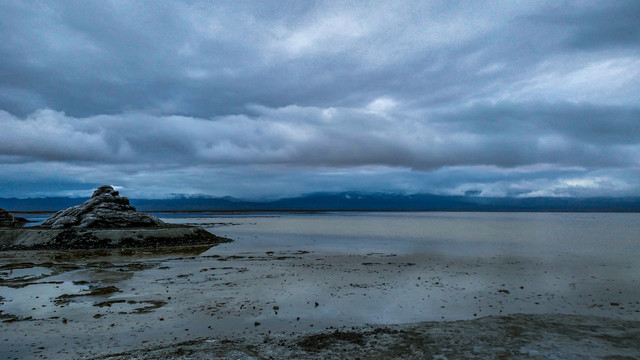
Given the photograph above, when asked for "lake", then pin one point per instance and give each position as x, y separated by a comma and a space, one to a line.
296, 272
608, 235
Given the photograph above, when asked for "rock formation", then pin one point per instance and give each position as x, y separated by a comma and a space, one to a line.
8, 220
105, 209
106, 221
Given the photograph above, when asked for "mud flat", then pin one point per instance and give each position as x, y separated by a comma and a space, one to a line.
219, 302
519, 336
277, 294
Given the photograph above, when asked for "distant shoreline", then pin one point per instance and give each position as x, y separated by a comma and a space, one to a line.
348, 202
319, 211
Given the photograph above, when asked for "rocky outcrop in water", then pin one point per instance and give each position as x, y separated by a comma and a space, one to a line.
8, 220
105, 209
106, 221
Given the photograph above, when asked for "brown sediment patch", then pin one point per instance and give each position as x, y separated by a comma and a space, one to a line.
168, 250
149, 305
96, 291
16, 266
21, 285
153, 304
319, 342
11, 276
254, 258
121, 271
77, 255
108, 303
9, 318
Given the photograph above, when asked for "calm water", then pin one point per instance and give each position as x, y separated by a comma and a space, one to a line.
322, 270
612, 236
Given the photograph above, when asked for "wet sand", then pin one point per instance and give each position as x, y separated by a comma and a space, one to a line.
88, 304
279, 298
493, 337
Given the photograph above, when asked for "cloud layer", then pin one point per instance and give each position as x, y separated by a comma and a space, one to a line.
273, 99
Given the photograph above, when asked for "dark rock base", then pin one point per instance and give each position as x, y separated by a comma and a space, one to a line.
37, 238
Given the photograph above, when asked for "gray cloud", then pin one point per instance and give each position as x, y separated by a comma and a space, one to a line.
596, 27
313, 96
203, 59
382, 133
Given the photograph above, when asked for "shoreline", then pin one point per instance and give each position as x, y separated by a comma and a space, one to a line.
517, 336
287, 280
356, 210
201, 301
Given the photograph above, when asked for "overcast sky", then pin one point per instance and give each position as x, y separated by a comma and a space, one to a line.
264, 100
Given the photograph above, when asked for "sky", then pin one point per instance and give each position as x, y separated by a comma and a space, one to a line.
271, 99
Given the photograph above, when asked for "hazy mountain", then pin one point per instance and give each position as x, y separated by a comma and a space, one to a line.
349, 201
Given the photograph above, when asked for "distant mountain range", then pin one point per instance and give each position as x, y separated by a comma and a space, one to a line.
349, 201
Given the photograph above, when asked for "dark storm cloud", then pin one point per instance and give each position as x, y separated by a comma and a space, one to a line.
326, 95
507, 135
599, 26
200, 59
